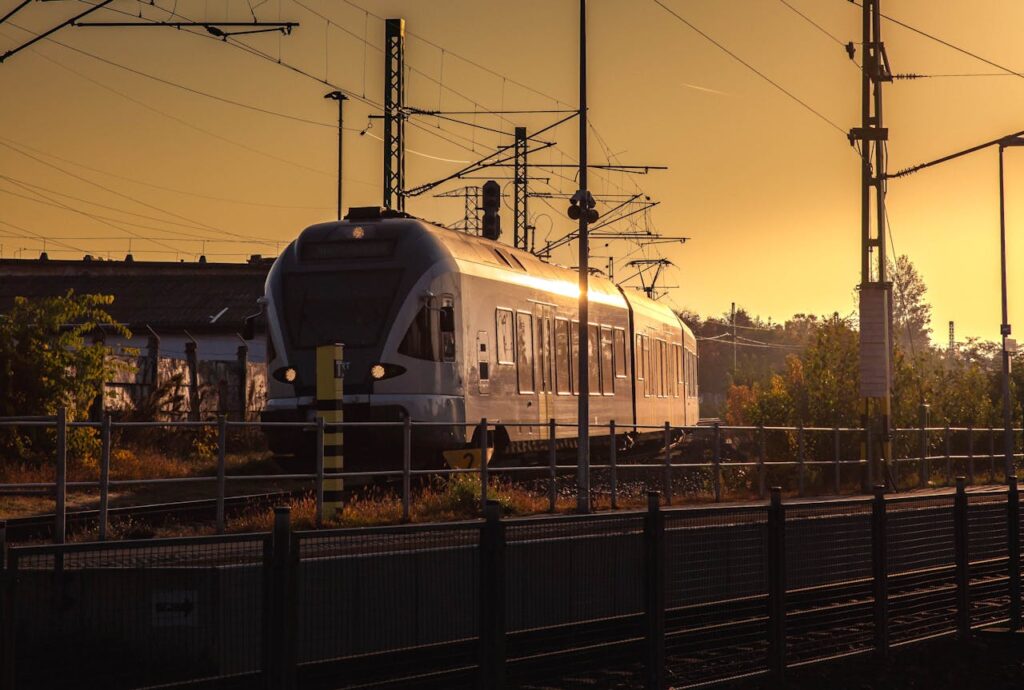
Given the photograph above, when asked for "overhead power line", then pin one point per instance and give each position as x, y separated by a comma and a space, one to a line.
753, 69
946, 43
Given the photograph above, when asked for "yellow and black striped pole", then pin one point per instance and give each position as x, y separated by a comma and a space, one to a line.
330, 385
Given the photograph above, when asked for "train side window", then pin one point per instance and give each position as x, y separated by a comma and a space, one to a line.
641, 370
620, 353
593, 361
505, 334
419, 341
607, 361
677, 359
562, 338
524, 352
574, 356
447, 336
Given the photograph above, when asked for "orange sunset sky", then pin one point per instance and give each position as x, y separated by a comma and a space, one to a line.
96, 158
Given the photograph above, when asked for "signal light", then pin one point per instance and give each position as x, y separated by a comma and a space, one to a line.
491, 200
582, 204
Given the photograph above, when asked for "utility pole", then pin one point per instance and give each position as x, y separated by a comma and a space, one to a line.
583, 410
875, 290
952, 337
394, 114
341, 98
521, 231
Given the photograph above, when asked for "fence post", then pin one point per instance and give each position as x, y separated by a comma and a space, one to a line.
868, 456
222, 454
1013, 548
667, 477
801, 460
991, 453
492, 598
104, 475
320, 430
925, 469
60, 490
483, 465
280, 652
716, 461
970, 454
947, 445
835, 459
961, 555
880, 571
776, 531
654, 539
406, 467
192, 363
242, 359
552, 468
762, 471
613, 478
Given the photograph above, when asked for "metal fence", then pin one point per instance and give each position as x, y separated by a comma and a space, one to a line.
678, 597
707, 461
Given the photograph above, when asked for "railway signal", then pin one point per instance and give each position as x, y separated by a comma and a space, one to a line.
491, 200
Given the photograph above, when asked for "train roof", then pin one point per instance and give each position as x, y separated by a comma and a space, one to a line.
487, 257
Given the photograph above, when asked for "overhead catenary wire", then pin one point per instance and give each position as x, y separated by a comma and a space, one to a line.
753, 69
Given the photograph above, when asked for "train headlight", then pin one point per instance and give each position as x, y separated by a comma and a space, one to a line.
286, 375
358, 233
383, 370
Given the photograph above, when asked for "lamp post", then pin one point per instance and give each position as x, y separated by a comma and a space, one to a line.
341, 98
1004, 328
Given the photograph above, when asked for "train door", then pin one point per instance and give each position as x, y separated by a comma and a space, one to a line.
483, 360
545, 359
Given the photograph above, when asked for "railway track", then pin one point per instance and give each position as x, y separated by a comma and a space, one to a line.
41, 526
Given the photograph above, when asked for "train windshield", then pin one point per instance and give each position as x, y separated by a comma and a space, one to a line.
349, 307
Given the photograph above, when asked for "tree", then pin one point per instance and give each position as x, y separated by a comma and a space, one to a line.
47, 361
911, 314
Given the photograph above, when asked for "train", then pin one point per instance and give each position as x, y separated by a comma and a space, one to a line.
442, 326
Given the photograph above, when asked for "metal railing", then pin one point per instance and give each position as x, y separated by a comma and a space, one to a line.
702, 595
821, 455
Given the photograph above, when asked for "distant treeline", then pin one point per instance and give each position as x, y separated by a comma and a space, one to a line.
805, 371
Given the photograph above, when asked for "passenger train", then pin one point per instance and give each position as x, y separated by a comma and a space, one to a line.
443, 326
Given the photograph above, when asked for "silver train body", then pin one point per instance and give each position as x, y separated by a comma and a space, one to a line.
465, 328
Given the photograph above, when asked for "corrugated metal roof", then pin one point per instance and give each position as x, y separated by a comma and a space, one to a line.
201, 297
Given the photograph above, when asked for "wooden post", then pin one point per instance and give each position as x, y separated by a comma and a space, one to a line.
330, 396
